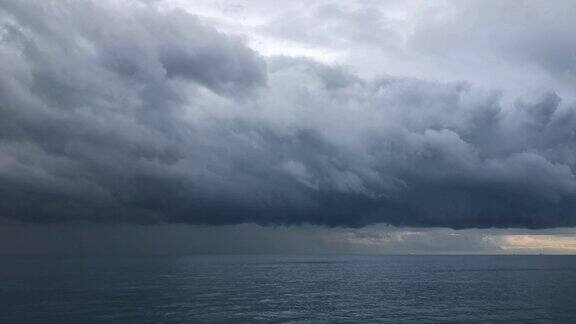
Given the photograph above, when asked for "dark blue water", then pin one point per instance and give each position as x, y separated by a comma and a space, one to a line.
299, 289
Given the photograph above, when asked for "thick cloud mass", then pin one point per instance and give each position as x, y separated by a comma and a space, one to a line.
116, 111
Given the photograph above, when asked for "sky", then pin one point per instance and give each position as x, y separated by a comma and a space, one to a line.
252, 126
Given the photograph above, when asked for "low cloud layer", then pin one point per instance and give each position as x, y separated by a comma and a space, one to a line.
118, 111
80, 239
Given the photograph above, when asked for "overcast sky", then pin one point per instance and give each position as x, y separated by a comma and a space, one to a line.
197, 126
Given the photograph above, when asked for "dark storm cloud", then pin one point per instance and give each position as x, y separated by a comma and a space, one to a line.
118, 112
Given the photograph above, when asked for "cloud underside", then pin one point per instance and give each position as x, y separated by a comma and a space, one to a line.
120, 112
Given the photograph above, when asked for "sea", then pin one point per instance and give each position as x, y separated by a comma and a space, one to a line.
289, 289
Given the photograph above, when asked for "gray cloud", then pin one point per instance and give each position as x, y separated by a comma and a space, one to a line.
515, 45
145, 115
170, 239
331, 25
532, 33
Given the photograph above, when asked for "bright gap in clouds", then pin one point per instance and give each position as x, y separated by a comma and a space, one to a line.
539, 243
246, 18
421, 39
253, 20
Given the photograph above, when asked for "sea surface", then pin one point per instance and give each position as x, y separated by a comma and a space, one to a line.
291, 289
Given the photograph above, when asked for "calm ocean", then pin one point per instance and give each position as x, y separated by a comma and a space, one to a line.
298, 289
